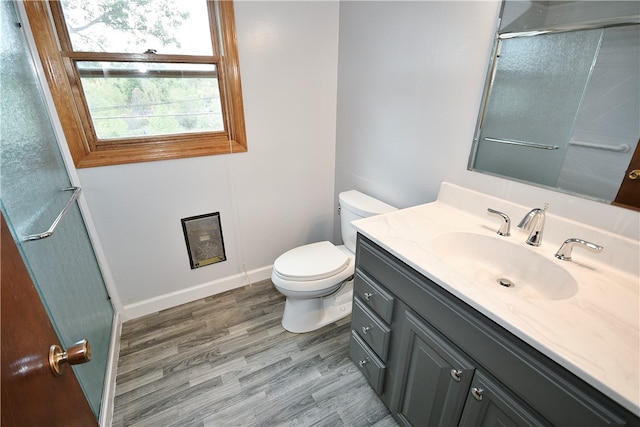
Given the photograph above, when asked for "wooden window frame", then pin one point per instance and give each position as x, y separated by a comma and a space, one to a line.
86, 150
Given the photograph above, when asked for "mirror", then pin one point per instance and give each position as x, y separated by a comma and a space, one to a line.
561, 107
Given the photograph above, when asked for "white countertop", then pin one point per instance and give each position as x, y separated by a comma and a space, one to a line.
595, 333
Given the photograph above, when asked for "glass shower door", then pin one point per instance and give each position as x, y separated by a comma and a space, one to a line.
537, 88
33, 180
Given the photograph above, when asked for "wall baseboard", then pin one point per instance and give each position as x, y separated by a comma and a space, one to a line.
173, 299
109, 389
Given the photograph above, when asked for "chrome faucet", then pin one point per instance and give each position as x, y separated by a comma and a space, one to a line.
534, 221
564, 253
505, 223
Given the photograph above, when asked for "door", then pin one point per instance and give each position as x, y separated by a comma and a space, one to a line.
33, 177
434, 378
528, 120
629, 192
490, 404
31, 394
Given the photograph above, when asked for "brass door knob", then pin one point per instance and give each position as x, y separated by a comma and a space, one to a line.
634, 174
77, 354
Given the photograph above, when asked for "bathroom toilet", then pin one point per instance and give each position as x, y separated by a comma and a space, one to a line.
317, 278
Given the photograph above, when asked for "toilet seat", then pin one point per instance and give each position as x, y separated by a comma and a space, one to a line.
315, 261
312, 267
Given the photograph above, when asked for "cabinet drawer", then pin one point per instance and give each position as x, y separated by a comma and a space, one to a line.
373, 296
370, 328
368, 363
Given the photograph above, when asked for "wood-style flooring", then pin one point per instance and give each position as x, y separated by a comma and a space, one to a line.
226, 361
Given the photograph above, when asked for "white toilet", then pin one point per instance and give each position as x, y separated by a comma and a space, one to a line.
317, 279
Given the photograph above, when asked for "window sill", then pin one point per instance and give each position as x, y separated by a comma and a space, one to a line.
159, 151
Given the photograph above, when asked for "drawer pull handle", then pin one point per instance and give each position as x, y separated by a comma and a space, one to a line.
365, 329
367, 296
362, 363
456, 374
477, 393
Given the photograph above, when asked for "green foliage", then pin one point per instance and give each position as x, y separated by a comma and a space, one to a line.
93, 25
147, 103
126, 107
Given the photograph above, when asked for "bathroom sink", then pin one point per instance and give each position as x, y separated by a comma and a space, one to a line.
499, 264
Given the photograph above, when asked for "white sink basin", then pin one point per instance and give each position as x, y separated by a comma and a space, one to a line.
504, 266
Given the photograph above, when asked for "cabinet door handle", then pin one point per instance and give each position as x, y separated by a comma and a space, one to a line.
366, 329
362, 363
477, 393
367, 296
456, 374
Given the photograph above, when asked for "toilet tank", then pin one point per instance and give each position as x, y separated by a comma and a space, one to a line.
355, 205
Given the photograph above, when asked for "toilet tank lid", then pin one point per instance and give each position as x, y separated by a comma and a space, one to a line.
363, 204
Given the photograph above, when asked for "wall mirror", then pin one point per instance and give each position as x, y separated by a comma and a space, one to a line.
561, 107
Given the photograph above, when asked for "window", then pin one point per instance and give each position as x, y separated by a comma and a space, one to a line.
142, 80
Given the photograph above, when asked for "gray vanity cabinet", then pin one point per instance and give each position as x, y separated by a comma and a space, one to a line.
489, 403
434, 360
438, 385
434, 377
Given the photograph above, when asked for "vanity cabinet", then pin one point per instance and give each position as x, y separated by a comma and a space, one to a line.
437, 361
489, 403
434, 377
439, 385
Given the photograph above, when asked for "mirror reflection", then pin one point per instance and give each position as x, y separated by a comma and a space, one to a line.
562, 102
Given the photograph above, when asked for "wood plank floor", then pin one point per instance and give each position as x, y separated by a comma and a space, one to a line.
226, 361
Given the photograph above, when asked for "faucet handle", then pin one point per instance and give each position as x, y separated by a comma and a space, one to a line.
504, 225
564, 253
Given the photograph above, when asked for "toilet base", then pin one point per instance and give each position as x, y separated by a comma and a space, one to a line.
306, 315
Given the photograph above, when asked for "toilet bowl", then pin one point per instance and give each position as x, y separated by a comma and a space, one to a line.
317, 279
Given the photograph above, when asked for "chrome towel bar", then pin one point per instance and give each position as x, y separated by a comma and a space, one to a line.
52, 229
622, 148
522, 143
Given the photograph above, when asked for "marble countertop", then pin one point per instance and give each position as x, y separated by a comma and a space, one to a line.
595, 333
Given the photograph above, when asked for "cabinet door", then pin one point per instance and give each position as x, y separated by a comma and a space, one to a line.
434, 376
490, 404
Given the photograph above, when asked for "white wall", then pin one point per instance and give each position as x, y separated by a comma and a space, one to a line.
410, 80
275, 197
